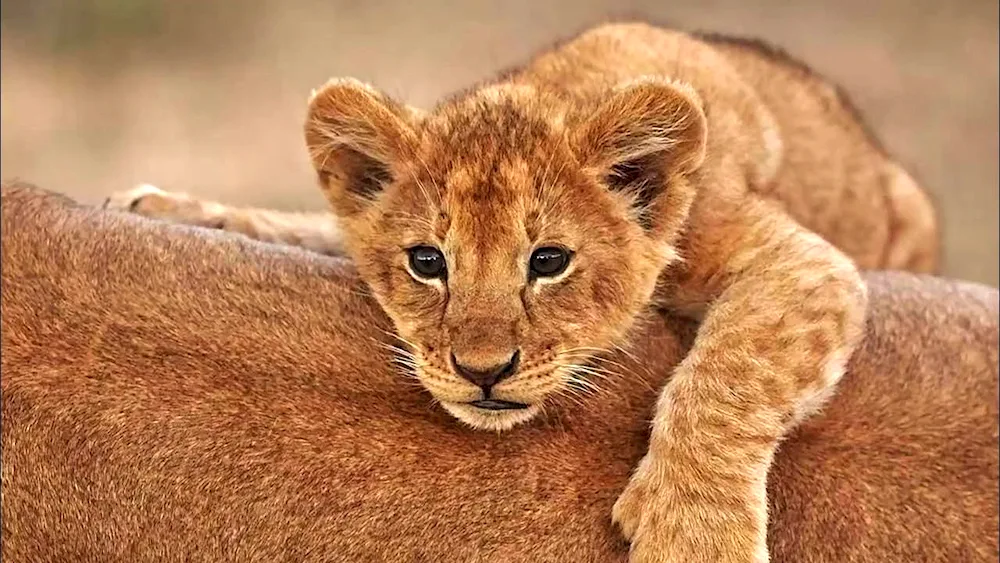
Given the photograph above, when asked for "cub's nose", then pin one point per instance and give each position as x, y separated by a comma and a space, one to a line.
490, 376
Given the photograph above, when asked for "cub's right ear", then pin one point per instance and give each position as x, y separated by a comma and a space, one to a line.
356, 137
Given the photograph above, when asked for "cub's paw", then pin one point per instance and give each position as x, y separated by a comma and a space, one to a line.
668, 521
149, 201
143, 196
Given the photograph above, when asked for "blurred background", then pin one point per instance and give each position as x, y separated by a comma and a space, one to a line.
208, 96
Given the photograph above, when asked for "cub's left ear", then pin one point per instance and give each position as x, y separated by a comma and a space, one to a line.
644, 134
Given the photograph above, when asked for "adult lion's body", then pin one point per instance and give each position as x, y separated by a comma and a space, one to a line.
173, 396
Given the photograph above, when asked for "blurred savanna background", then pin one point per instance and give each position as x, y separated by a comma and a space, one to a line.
208, 96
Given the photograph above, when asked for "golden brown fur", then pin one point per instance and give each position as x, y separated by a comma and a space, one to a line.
660, 163
883, 222
173, 395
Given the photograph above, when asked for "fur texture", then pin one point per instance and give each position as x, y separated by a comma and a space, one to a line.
239, 405
651, 157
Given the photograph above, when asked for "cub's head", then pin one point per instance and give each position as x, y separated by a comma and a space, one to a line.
509, 236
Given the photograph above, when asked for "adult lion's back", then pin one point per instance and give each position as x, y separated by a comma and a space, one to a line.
175, 394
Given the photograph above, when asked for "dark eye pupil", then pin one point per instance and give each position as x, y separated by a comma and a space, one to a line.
427, 261
549, 261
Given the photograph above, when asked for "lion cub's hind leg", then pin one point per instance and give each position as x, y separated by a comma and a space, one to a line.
149, 201
318, 232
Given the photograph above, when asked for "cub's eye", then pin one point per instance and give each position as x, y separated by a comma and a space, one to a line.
427, 261
548, 261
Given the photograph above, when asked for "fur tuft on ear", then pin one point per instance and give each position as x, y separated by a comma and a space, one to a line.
355, 135
647, 132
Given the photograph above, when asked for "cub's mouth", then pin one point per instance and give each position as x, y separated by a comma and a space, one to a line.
497, 405
492, 414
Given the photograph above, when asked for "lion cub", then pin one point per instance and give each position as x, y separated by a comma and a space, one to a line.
522, 227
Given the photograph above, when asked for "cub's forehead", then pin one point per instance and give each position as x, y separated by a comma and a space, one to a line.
524, 189
494, 200
510, 181
484, 129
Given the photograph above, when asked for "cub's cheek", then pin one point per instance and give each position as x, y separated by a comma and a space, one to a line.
554, 309
417, 315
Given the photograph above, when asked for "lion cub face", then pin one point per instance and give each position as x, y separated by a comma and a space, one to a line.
508, 237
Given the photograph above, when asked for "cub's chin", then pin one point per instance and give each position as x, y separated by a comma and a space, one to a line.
491, 415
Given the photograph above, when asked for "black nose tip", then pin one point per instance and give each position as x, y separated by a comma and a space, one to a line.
489, 377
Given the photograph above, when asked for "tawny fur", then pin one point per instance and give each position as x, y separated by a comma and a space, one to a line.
173, 395
665, 162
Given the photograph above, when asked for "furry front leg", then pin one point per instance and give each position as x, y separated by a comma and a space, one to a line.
785, 311
699, 494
